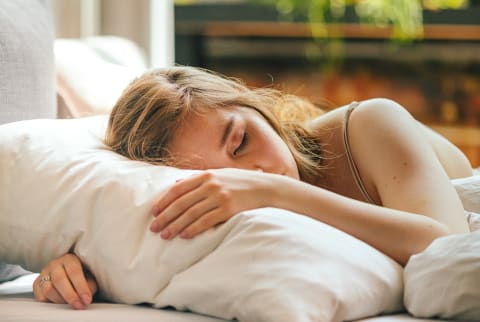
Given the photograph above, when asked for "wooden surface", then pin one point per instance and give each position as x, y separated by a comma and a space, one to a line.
304, 30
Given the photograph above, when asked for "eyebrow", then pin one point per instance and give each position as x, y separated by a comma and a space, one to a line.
226, 132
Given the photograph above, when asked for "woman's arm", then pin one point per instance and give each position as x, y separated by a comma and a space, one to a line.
392, 151
396, 233
419, 202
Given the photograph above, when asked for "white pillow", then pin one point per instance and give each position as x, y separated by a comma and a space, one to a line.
444, 280
62, 190
469, 191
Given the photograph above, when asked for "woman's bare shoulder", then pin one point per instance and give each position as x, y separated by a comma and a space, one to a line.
385, 114
330, 120
334, 118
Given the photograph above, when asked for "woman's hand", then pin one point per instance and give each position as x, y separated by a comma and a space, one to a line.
202, 201
64, 280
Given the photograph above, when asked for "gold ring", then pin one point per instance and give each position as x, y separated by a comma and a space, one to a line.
43, 279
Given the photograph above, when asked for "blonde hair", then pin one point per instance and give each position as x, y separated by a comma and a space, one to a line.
151, 109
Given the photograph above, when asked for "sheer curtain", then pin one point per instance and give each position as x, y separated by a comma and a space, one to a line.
161, 33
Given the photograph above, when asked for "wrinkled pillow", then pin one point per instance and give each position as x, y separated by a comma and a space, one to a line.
468, 190
64, 190
444, 280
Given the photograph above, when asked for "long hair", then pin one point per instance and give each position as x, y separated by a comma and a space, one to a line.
151, 109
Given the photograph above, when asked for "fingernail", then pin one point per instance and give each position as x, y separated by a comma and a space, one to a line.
86, 299
154, 211
178, 180
184, 234
165, 234
77, 305
154, 227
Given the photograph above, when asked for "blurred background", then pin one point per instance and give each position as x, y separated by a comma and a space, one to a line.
423, 54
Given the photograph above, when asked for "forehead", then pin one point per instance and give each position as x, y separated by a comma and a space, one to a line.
205, 124
199, 134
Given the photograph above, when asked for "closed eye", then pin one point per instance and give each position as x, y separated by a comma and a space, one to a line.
242, 144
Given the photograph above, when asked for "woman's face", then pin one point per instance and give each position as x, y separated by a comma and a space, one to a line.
231, 138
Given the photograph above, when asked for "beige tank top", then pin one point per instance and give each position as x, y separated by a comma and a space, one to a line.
348, 153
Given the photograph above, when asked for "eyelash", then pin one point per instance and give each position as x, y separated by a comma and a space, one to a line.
242, 145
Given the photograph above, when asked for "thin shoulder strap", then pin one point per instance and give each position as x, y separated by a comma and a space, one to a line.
348, 153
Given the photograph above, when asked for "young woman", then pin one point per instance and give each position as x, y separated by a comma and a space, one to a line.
368, 168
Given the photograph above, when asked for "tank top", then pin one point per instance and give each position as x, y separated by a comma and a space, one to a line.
348, 153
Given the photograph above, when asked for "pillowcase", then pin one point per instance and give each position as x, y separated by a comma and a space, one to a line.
450, 266
64, 190
468, 190
443, 281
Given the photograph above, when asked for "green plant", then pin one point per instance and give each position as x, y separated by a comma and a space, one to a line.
404, 16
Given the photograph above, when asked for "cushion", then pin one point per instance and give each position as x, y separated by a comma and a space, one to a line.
443, 281
450, 266
468, 190
64, 190
27, 84
92, 72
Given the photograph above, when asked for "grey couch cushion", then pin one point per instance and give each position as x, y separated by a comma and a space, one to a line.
27, 83
26, 61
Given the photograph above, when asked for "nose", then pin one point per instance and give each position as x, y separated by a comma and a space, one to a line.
256, 164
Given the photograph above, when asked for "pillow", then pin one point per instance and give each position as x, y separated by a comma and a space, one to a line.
468, 190
27, 84
63, 190
443, 281
450, 266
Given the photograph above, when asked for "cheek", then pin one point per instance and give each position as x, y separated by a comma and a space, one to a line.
279, 150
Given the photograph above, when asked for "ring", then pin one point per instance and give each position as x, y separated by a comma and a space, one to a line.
43, 279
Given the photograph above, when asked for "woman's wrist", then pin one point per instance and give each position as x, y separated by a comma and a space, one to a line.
280, 190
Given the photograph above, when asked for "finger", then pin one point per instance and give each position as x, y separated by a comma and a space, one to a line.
187, 218
37, 291
75, 274
176, 208
179, 188
92, 283
62, 284
204, 223
52, 294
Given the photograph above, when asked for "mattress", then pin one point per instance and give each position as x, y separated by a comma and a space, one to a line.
18, 304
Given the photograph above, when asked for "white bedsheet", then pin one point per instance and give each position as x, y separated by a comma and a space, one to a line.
17, 304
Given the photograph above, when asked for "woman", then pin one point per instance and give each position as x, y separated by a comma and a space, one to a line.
368, 169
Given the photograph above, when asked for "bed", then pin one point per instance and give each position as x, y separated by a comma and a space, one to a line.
17, 304
346, 282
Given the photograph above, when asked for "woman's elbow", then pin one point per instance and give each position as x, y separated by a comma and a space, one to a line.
433, 231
